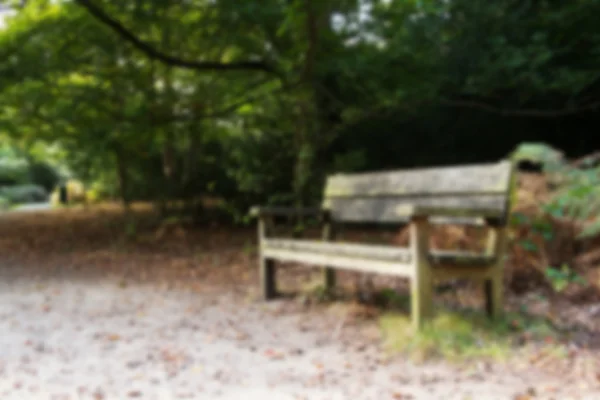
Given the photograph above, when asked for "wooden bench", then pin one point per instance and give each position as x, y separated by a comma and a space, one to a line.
472, 194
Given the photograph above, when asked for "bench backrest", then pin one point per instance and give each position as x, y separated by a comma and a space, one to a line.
382, 197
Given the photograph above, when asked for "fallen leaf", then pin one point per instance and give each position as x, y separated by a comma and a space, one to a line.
274, 355
98, 395
113, 337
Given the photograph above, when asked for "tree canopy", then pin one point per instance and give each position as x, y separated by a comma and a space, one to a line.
258, 100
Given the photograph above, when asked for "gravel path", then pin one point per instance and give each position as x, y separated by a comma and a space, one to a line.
78, 340
32, 207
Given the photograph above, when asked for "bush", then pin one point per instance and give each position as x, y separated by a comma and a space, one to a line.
4, 203
576, 198
538, 153
45, 175
262, 168
14, 171
24, 194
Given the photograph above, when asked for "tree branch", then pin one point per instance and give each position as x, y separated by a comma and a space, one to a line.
155, 54
534, 113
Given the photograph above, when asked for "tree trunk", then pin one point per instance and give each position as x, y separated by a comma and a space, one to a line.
306, 107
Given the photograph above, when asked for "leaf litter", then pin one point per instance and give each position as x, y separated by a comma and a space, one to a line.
88, 245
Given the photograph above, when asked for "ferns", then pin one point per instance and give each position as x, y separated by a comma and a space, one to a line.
576, 191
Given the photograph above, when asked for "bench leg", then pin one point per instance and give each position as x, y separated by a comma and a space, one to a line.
421, 298
493, 296
267, 278
422, 281
329, 234
329, 278
493, 286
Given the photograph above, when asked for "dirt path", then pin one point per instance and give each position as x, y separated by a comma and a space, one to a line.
71, 330
97, 340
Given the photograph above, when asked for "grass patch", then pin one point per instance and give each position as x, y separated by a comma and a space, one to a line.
463, 336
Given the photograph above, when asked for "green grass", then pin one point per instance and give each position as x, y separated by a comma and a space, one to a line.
462, 336
450, 335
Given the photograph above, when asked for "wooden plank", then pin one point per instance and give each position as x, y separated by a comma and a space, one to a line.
391, 254
268, 282
421, 285
400, 210
445, 220
394, 227
379, 252
470, 179
329, 277
266, 267
341, 262
494, 285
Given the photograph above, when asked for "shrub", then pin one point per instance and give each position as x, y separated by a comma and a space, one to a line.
4, 203
28, 193
14, 171
578, 197
45, 175
538, 153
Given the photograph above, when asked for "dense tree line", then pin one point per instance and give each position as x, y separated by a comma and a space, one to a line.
257, 100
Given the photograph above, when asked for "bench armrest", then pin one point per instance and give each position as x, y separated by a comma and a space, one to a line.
259, 212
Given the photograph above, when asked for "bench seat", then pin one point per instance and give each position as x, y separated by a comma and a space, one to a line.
390, 260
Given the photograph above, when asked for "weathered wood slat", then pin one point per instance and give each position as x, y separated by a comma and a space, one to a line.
421, 285
391, 254
364, 251
342, 262
399, 210
329, 275
459, 180
457, 220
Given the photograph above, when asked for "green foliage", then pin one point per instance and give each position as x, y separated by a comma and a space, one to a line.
376, 89
352, 161
539, 153
14, 171
561, 278
19, 194
574, 195
4, 203
462, 337
261, 167
577, 198
44, 175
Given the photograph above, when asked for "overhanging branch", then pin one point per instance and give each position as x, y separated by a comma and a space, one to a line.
155, 54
